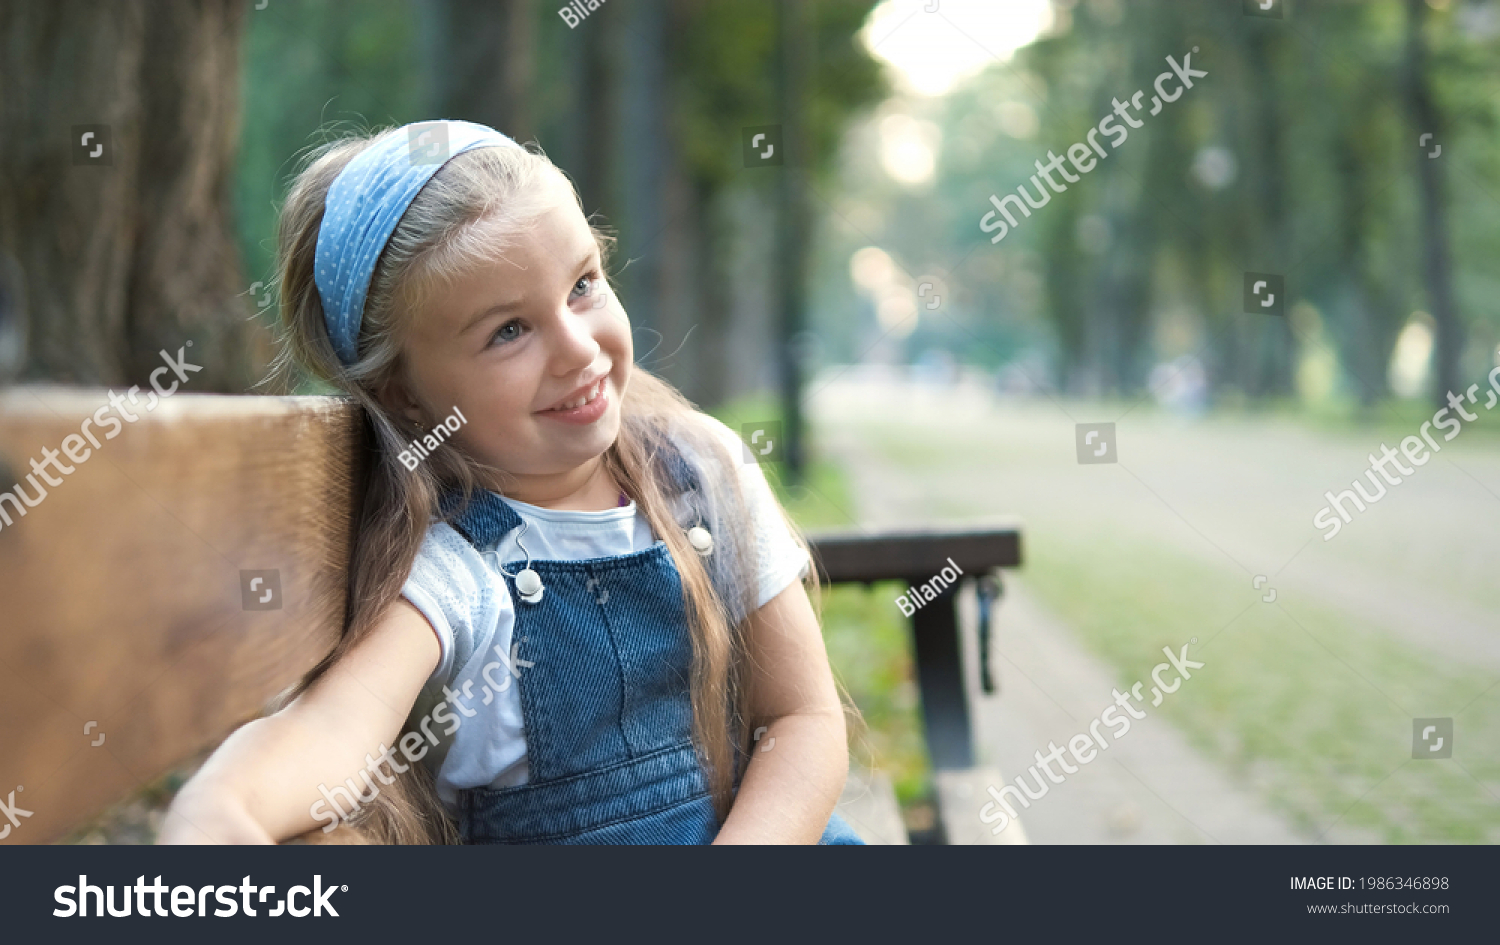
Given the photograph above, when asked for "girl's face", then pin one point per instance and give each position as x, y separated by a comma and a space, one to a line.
532, 348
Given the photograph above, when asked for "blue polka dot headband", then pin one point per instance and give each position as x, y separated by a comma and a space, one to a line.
364, 205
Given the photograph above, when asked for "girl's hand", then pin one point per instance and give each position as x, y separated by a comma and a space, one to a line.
203, 815
262, 784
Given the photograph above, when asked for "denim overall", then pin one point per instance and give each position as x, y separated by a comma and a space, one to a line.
605, 701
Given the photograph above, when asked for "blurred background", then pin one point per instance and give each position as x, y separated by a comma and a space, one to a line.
844, 286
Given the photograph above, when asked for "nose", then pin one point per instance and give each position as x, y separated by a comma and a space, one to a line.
574, 347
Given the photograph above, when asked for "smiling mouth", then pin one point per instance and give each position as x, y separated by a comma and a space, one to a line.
592, 393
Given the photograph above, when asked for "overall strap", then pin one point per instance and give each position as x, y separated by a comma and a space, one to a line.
488, 518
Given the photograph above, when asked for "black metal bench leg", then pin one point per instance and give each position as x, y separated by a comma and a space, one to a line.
987, 593
945, 712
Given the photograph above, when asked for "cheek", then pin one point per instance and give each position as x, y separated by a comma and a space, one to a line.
620, 336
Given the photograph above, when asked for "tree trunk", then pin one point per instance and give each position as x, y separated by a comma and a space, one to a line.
642, 147
711, 300
133, 253
794, 223
1437, 260
1271, 372
484, 63
595, 109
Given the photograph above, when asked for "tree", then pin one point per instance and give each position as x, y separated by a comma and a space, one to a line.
483, 65
124, 236
1437, 260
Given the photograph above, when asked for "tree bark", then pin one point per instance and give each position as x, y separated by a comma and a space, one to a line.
126, 258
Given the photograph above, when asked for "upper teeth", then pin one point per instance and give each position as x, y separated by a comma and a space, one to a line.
586, 399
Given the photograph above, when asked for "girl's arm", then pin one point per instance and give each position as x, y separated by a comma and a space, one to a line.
798, 765
258, 786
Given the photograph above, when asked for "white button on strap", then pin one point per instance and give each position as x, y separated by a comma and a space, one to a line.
701, 540
529, 583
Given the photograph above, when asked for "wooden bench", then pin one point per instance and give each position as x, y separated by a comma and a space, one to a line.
134, 632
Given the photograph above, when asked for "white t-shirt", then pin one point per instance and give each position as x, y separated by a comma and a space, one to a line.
460, 590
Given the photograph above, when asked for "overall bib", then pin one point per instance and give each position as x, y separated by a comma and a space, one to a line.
605, 703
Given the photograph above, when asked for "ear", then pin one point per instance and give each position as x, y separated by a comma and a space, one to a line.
395, 397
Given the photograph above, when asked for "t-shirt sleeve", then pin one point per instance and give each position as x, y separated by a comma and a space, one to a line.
780, 558
450, 584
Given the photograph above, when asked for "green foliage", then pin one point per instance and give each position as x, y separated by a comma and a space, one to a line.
1142, 259
314, 71
723, 79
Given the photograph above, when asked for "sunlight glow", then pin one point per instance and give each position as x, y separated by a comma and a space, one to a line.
932, 51
1412, 358
908, 149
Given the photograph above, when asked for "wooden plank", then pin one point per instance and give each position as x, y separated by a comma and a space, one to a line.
122, 589
962, 794
916, 555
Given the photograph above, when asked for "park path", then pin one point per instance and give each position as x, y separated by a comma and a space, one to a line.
1153, 787
1240, 495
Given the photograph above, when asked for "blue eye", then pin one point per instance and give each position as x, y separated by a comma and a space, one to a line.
589, 283
506, 333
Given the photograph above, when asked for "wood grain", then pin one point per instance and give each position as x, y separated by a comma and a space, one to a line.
120, 593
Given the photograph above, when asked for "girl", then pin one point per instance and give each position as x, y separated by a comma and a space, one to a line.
571, 600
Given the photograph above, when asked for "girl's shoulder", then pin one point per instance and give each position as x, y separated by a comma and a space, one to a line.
457, 592
450, 570
709, 444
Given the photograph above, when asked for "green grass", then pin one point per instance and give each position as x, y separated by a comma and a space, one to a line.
1294, 698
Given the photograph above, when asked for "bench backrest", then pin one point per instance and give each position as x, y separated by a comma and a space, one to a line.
122, 602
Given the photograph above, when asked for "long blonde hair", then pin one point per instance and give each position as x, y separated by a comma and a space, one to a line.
470, 207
